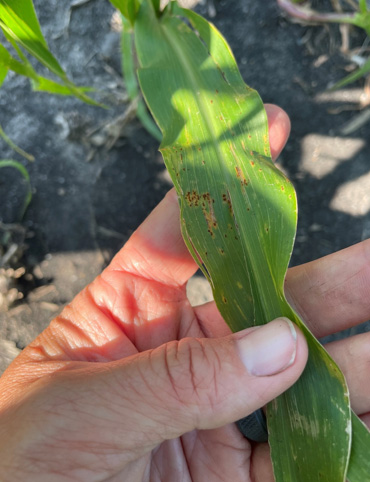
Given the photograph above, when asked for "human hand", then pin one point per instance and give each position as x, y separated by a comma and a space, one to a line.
108, 392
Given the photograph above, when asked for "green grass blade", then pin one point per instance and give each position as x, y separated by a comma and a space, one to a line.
239, 218
357, 74
24, 172
10, 143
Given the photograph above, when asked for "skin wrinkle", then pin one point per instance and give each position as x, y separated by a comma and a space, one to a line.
209, 464
56, 342
140, 316
109, 313
95, 326
141, 269
195, 381
151, 387
75, 343
193, 372
172, 352
188, 466
191, 326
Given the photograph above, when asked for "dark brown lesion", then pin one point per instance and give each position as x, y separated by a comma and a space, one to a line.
208, 212
240, 176
227, 200
192, 198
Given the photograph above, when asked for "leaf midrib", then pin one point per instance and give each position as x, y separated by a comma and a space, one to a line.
173, 42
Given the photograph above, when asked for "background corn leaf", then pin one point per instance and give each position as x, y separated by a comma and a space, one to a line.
10, 63
129, 76
38, 82
25, 9
128, 8
47, 85
21, 28
3, 73
239, 218
18, 27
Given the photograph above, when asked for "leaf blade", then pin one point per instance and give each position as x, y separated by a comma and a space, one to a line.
215, 147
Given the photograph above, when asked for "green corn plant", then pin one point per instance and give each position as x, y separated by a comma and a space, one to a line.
21, 29
239, 214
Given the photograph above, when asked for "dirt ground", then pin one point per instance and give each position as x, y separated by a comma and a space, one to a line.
87, 200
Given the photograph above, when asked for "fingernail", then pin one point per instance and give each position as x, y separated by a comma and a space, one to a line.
269, 349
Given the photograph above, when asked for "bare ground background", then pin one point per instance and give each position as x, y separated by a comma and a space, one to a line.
87, 199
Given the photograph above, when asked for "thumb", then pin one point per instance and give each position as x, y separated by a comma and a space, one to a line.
194, 383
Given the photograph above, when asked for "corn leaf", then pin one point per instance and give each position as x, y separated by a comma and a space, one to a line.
20, 26
239, 217
128, 8
38, 82
22, 29
363, 6
129, 76
10, 63
3, 73
359, 470
47, 85
26, 10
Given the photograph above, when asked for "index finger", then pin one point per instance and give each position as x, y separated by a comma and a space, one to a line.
332, 293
